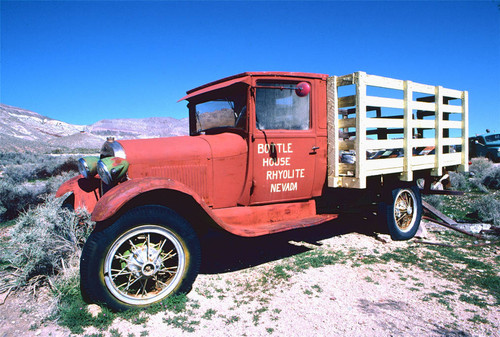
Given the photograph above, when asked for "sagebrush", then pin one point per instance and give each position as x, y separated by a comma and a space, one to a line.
44, 242
26, 178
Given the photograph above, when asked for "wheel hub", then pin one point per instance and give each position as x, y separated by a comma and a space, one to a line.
144, 262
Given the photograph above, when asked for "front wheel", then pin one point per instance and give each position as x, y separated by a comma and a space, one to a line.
402, 211
147, 255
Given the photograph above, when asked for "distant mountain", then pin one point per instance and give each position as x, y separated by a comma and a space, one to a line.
23, 130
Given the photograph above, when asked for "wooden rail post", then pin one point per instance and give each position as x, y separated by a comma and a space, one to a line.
438, 129
407, 174
361, 129
464, 167
333, 130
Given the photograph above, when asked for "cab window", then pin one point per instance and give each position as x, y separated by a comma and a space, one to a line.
278, 107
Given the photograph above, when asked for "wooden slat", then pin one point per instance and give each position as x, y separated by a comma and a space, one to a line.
347, 123
423, 88
452, 93
385, 102
384, 82
452, 124
343, 168
424, 123
424, 160
385, 170
452, 141
452, 158
384, 144
384, 123
345, 80
346, 145
423, 142
347, 101
379, 164
452, 108
424, 106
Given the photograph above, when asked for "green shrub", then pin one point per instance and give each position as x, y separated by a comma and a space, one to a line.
491, 178
27, 178
44, 241
487, 209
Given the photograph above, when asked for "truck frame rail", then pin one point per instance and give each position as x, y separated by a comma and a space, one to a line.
401, 126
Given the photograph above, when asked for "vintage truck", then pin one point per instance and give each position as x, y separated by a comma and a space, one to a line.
267, 152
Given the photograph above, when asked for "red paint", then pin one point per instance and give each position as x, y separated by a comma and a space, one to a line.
85, 191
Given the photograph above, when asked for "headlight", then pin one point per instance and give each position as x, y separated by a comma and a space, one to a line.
111, 148
87, 166
112, 169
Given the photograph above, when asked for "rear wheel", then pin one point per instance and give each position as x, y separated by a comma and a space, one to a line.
147, 255
402, 210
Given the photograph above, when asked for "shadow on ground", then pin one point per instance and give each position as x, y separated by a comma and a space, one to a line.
223, 252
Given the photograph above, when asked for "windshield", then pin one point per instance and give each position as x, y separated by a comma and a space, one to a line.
224, 109
493, 139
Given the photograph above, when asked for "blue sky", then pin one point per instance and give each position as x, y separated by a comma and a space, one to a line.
82, 61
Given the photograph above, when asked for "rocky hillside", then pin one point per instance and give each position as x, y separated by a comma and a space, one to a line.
23, 130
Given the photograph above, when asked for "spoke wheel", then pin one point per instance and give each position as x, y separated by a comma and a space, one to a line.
404, 210
148, 254
144, 264
401, 211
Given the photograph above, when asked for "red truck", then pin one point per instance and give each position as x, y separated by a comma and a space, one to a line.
267, 152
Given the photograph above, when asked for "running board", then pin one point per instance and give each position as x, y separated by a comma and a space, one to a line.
260, 220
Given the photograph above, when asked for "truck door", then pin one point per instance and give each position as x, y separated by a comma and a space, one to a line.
284, 144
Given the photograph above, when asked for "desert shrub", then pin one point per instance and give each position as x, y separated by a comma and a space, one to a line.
44, 241
37, 167
487, 209
481, 176
434, 200
459, 181
491, 178
479, 166
27, 178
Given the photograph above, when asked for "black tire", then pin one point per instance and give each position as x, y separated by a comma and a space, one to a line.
148, 254
402, 211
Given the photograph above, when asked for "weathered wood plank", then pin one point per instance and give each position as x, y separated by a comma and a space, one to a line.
385, 102
384, 123
452, 108
452, 124
424, 106
384, 82
347, 101
423, 88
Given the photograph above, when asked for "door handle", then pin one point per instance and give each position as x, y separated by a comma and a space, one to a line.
314, 148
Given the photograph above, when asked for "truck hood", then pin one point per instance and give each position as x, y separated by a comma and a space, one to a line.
190, 160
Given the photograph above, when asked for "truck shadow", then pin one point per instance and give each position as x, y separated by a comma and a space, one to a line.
223, 252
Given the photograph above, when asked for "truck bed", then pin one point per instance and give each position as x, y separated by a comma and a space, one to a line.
390, 126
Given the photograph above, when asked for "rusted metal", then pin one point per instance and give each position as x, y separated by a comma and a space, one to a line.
444, 224
85, 191
442, 192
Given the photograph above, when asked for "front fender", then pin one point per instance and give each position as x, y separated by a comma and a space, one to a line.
85, 191
111, 202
